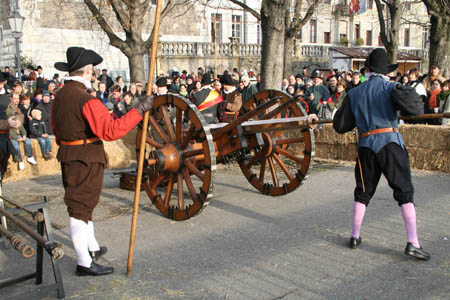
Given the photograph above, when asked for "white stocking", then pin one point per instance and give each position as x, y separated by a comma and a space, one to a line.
79, 233
92, 242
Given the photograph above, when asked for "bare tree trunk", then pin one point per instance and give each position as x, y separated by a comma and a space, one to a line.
137, 72
273, 33
288, 53
389, 33
439, 11
440, 44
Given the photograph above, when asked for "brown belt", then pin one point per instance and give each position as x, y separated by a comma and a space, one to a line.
80, 142
4, 131
377, 131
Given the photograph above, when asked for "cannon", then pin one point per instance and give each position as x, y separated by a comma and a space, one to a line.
264, 140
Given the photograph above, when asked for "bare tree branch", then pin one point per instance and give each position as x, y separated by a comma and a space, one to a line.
256, 14
114, 39
122, 16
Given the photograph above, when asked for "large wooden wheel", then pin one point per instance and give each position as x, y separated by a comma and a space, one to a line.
176, 186
275, 168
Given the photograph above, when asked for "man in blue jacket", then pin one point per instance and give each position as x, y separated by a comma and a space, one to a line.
372, 108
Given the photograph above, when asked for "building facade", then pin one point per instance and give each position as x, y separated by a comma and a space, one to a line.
219, 35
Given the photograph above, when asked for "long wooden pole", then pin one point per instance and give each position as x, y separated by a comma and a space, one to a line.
137, 192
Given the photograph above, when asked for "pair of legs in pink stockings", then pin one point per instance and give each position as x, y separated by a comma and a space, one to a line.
409, 218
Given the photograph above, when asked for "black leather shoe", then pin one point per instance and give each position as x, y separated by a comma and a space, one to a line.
418, 253
94, 270
96, 254
354, 242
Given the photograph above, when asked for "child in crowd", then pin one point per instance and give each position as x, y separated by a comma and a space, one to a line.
25, 109
38, 130
18, 135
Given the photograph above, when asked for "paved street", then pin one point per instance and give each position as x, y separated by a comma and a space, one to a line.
245, 245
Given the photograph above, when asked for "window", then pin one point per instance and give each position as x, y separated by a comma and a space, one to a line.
236, 24
380, 42
370, 4
298, 36
407, 6
425, 37
327, 38
369, 37
154, 2
258, 34
357, 31
313, 26
406, 38
327, 1
216, 31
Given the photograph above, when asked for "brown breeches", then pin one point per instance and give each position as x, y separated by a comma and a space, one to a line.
83, 184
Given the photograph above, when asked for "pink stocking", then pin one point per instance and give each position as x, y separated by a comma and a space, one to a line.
359, 210
409, 217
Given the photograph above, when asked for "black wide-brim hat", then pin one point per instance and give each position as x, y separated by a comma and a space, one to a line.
78, 57
226, 79
161, 81
378, 62
206, 79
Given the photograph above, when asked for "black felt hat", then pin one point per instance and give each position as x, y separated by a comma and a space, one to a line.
161, 81
378, 62
78, 57
226, 79
316, 74
206, 79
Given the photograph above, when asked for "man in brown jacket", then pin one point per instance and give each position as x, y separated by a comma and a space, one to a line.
231, 96
80, 121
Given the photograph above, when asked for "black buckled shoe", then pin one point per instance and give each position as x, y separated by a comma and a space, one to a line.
418, 253
354, 242
94, 270
96, 254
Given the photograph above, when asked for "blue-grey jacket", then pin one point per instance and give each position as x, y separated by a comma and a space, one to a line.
373, 105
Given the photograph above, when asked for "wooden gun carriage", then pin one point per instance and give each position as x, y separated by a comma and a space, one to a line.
264, 140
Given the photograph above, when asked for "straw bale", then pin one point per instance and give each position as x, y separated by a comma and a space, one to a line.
117, 155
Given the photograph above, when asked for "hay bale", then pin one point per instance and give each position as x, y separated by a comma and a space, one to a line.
118, 154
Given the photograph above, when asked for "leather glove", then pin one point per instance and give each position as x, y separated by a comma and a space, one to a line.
145, 104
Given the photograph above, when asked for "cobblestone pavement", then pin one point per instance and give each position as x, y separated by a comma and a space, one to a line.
249, 246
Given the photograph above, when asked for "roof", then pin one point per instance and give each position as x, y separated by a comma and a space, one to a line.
362, 53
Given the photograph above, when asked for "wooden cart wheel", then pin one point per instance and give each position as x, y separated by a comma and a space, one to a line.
176, 186
275, 169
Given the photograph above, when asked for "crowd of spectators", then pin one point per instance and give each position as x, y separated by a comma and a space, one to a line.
319, 94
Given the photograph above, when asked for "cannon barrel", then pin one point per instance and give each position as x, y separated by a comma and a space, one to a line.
54, 249
17, 243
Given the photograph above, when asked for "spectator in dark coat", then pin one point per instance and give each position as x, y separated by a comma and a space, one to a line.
46, 108
38, 130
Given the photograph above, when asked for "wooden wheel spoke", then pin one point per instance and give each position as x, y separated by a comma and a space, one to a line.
191, 153
180, 191
157, 181
273, 171
193, 169
288, 155
282, 166
179, 126
187, 138
168, 123
256, 156
158, 129
169, 191
153, 143
189, 184
262, 171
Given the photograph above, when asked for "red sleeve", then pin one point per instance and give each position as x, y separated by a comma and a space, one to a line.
102, 124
